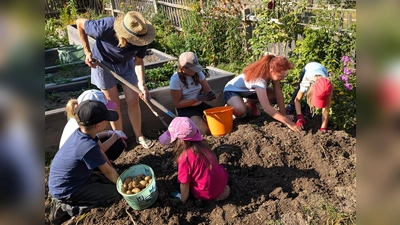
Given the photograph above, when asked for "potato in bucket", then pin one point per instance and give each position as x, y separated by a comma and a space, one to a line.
138, 186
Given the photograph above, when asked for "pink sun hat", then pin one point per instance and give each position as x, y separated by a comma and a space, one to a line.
96, 95
180, 128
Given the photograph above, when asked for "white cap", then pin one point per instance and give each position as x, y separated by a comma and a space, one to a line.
97, 96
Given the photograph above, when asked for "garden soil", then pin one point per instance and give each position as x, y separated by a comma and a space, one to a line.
276, 176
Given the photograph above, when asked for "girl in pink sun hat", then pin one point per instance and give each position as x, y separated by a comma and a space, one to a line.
199, 173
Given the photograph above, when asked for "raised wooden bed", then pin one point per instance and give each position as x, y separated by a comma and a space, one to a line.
55, 120
82, 82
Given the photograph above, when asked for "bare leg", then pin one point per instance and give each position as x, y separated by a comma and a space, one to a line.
113, 95
239, 108
201, 124
134, 113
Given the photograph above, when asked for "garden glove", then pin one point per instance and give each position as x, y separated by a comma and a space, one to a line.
300, 120
119, 133
323, 130
211, 95
201, 97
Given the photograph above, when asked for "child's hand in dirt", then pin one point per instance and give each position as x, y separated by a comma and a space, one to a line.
324, 130
300, 121
293, 127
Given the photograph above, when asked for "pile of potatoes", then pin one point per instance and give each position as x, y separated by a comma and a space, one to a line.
134, 185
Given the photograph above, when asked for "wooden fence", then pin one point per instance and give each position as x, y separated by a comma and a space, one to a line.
174, 10
52, 7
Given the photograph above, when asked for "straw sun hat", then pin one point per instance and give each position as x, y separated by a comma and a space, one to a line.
134, 28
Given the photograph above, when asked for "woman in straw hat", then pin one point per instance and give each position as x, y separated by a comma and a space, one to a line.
121, 44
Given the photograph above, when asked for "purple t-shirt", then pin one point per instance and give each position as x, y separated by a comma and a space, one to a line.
73, 164
105, 47
205, 183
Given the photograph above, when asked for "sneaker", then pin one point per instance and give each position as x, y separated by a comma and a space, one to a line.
57, 215
290, 109
253, 109
225, 194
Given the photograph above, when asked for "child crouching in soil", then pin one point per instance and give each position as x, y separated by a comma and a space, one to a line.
199, 172
112, 142
315, 85
73, 185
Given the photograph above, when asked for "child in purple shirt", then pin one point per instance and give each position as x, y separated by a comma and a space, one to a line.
199, 172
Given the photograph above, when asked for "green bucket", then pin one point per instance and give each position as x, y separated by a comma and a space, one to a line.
147, 196
71, 53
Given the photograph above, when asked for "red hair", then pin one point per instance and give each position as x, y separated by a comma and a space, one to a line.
260, 69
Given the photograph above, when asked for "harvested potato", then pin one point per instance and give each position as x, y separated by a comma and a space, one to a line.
135, 184
124, 189
135, 190
147, 178
128, 192
143, 183
127, 180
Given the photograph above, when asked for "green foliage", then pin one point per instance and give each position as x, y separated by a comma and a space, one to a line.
342, 113
56, 28
160, 76
167, 37
269, 30
216, 33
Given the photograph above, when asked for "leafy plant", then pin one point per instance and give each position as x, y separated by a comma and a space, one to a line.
160, 76
279, 25
343, 104
56, 28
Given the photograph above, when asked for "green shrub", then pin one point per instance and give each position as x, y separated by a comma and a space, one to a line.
342, 114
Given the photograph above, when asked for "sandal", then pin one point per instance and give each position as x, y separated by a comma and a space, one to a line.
146, 143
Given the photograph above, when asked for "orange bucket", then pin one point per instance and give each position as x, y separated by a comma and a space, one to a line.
219, 120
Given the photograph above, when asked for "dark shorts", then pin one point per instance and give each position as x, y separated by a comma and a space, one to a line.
104, 80
229, 94
193, 110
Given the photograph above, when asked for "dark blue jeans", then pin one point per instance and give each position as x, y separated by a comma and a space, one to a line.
297, 89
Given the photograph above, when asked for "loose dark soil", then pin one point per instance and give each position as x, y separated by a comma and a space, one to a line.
276, 177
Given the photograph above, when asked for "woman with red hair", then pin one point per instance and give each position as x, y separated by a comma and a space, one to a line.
253, 86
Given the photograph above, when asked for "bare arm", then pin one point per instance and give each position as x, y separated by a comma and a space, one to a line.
205, 86
140, 72
263, 98
185, 189
279, 97
80, 24
109, 172
107, 144
178, 101
297, 102
325, 116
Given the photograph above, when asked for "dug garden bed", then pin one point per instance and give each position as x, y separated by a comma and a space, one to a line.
55, 119
276, 176
74, 76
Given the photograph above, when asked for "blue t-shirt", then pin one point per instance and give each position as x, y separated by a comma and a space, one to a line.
105, 47
73, 164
